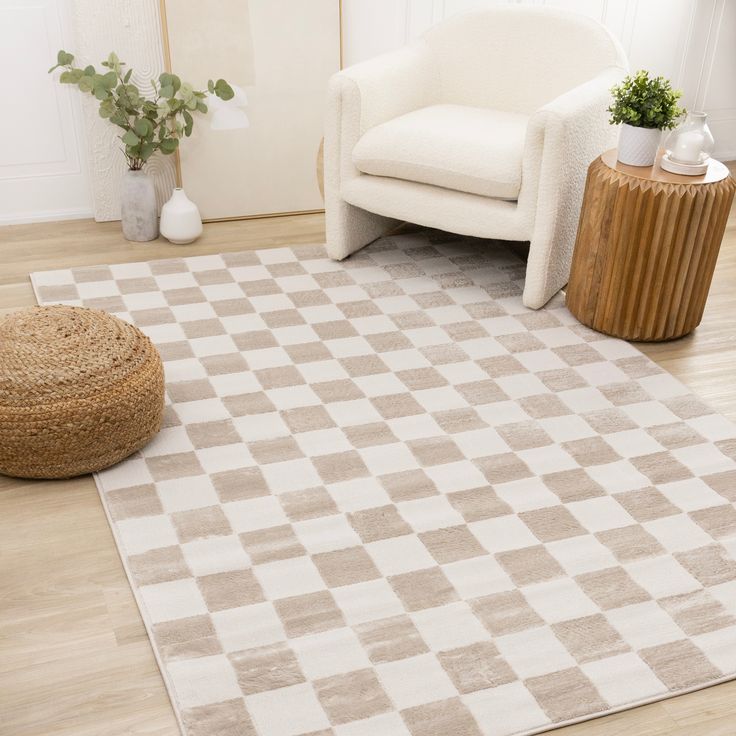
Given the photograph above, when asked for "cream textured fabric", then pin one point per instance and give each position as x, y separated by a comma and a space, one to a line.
469, 149
389, 499
555, 67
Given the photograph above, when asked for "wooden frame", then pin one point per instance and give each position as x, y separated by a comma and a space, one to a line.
177, 158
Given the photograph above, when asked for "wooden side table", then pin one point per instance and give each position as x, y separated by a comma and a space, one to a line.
646, 248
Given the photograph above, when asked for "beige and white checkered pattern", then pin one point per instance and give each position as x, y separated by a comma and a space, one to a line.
389, 500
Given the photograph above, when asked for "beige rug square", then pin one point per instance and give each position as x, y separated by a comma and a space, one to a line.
388, 500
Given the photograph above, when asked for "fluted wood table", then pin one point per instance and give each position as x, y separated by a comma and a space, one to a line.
646, 248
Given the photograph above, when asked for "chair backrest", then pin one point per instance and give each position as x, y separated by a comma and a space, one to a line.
518, 58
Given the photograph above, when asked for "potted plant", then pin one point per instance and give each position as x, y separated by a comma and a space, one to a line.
644, 106
149, 124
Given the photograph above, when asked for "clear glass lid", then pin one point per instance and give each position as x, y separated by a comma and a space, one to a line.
691, 142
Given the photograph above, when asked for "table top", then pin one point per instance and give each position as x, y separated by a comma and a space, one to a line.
716, 171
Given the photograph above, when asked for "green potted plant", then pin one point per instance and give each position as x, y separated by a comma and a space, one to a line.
149, 123
644, 106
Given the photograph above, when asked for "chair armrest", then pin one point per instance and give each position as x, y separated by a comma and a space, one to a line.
563, 138
388, 85
369, 94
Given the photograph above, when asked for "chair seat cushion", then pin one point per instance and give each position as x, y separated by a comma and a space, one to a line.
468, 149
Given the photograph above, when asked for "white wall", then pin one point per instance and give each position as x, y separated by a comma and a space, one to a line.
43, 164
43, 145
709, 71
692, 42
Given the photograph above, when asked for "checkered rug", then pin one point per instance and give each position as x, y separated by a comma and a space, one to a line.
388, 500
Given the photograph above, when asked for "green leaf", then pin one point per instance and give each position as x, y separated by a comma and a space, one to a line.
210, 86
89, 71
167, 91
201, 107
130, 138
191, 103
119, 118
147, 150
132, 93
223, 90
63, 58
107, 108
169, 145
143, 127
170, 80
188, 123
109, 80
71, 77
86, 84
126, 78
101, 92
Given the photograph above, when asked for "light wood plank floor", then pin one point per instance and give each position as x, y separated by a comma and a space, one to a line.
74, 656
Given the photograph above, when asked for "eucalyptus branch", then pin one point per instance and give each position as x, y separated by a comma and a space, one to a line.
151, 124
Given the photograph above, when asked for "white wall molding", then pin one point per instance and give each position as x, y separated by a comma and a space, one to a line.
24, 218
706, 55
629, 27
688, 42
45, 164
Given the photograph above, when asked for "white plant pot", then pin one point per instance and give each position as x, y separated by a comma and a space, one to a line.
180, 220
638, 146
138, 210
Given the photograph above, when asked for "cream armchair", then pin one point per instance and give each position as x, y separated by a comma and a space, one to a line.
483, 127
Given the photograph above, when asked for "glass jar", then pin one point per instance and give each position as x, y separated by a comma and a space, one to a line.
691, 142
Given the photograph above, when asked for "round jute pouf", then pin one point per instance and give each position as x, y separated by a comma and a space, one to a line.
79, 391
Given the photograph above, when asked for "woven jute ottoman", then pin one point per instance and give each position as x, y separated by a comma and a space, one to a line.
79, 391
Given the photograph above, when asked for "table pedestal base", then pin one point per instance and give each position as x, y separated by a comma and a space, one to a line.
645, 253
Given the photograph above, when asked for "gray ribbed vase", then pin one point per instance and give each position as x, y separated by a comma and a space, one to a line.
138, 207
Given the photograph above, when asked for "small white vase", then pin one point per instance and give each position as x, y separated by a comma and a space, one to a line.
638, 146
180, 220
138, 210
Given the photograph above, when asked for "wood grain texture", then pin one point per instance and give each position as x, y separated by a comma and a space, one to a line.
74, 656
715, 172
646, 250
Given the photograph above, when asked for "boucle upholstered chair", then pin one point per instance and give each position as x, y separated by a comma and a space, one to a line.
485, 127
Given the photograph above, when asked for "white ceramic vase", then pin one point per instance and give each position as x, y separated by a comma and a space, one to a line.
180, 220
638, 146
138, 210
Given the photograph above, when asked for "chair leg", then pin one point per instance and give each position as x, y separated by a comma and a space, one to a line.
547, 270
350, 228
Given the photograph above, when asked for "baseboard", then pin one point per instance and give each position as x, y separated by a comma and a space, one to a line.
24, 218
